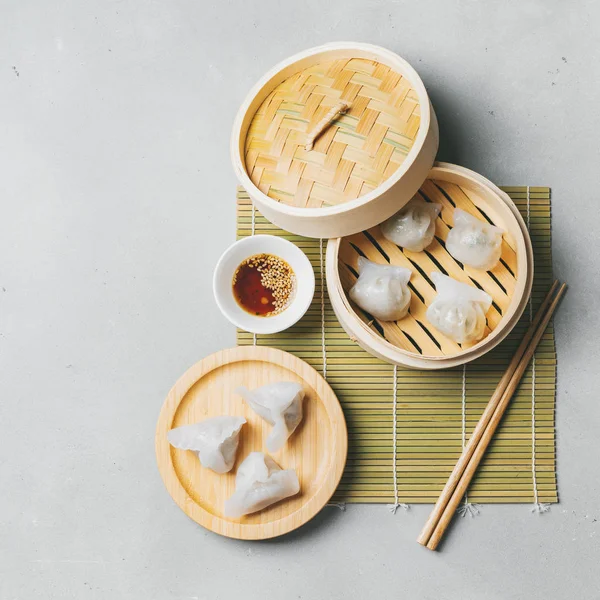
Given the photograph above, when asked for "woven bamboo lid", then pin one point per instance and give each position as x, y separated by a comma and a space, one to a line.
335, 139
357, 152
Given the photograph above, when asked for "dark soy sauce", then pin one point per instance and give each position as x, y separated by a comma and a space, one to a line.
250, 293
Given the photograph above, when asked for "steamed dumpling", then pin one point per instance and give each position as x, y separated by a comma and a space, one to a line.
260, 482
473, 242
382, 290
413, 227
280, 404
458, 310
215, 441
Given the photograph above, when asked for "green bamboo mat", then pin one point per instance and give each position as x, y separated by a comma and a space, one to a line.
433, 408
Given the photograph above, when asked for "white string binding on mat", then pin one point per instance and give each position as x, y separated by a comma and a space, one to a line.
538, 507
340, 505
394, 507
323, 348
253, 230
467, 508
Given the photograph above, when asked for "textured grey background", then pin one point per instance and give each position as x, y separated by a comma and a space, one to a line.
117, 197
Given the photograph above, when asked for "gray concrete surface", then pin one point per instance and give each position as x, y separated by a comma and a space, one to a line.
116, 198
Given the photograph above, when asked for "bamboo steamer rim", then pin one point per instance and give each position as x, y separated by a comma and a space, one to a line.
274, 76
382, 348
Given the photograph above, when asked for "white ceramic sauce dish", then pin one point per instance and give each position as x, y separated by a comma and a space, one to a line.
263, 244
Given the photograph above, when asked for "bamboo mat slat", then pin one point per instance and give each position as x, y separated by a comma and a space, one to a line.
430, 416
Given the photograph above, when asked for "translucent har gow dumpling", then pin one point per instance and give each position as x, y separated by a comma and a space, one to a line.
260, 482
215, 441
382, 290
459, 309
412, 227
280, 404
473, 242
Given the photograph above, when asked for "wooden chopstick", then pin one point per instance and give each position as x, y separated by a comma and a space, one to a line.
467, 476
464, 460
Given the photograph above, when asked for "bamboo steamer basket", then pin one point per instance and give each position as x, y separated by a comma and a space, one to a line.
413, 341
366, 163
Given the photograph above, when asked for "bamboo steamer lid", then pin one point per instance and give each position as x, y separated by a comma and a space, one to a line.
335, 139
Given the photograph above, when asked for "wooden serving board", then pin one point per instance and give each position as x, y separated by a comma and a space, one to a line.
317, 450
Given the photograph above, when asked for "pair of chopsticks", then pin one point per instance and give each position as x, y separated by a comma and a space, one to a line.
465, 468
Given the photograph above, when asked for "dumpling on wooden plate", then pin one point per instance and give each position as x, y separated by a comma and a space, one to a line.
260, 482
280, 404
215, 441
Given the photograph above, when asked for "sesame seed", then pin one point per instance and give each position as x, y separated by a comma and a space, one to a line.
276, 276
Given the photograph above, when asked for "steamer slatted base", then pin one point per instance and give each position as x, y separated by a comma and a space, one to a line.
414, 333
430, 414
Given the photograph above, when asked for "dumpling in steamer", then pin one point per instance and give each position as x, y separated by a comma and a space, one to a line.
215, 441
473, 242
280, 404
382, 290
412, 227
458, 310
260, 482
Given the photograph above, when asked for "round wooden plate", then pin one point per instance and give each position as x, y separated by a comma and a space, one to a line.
317, 449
